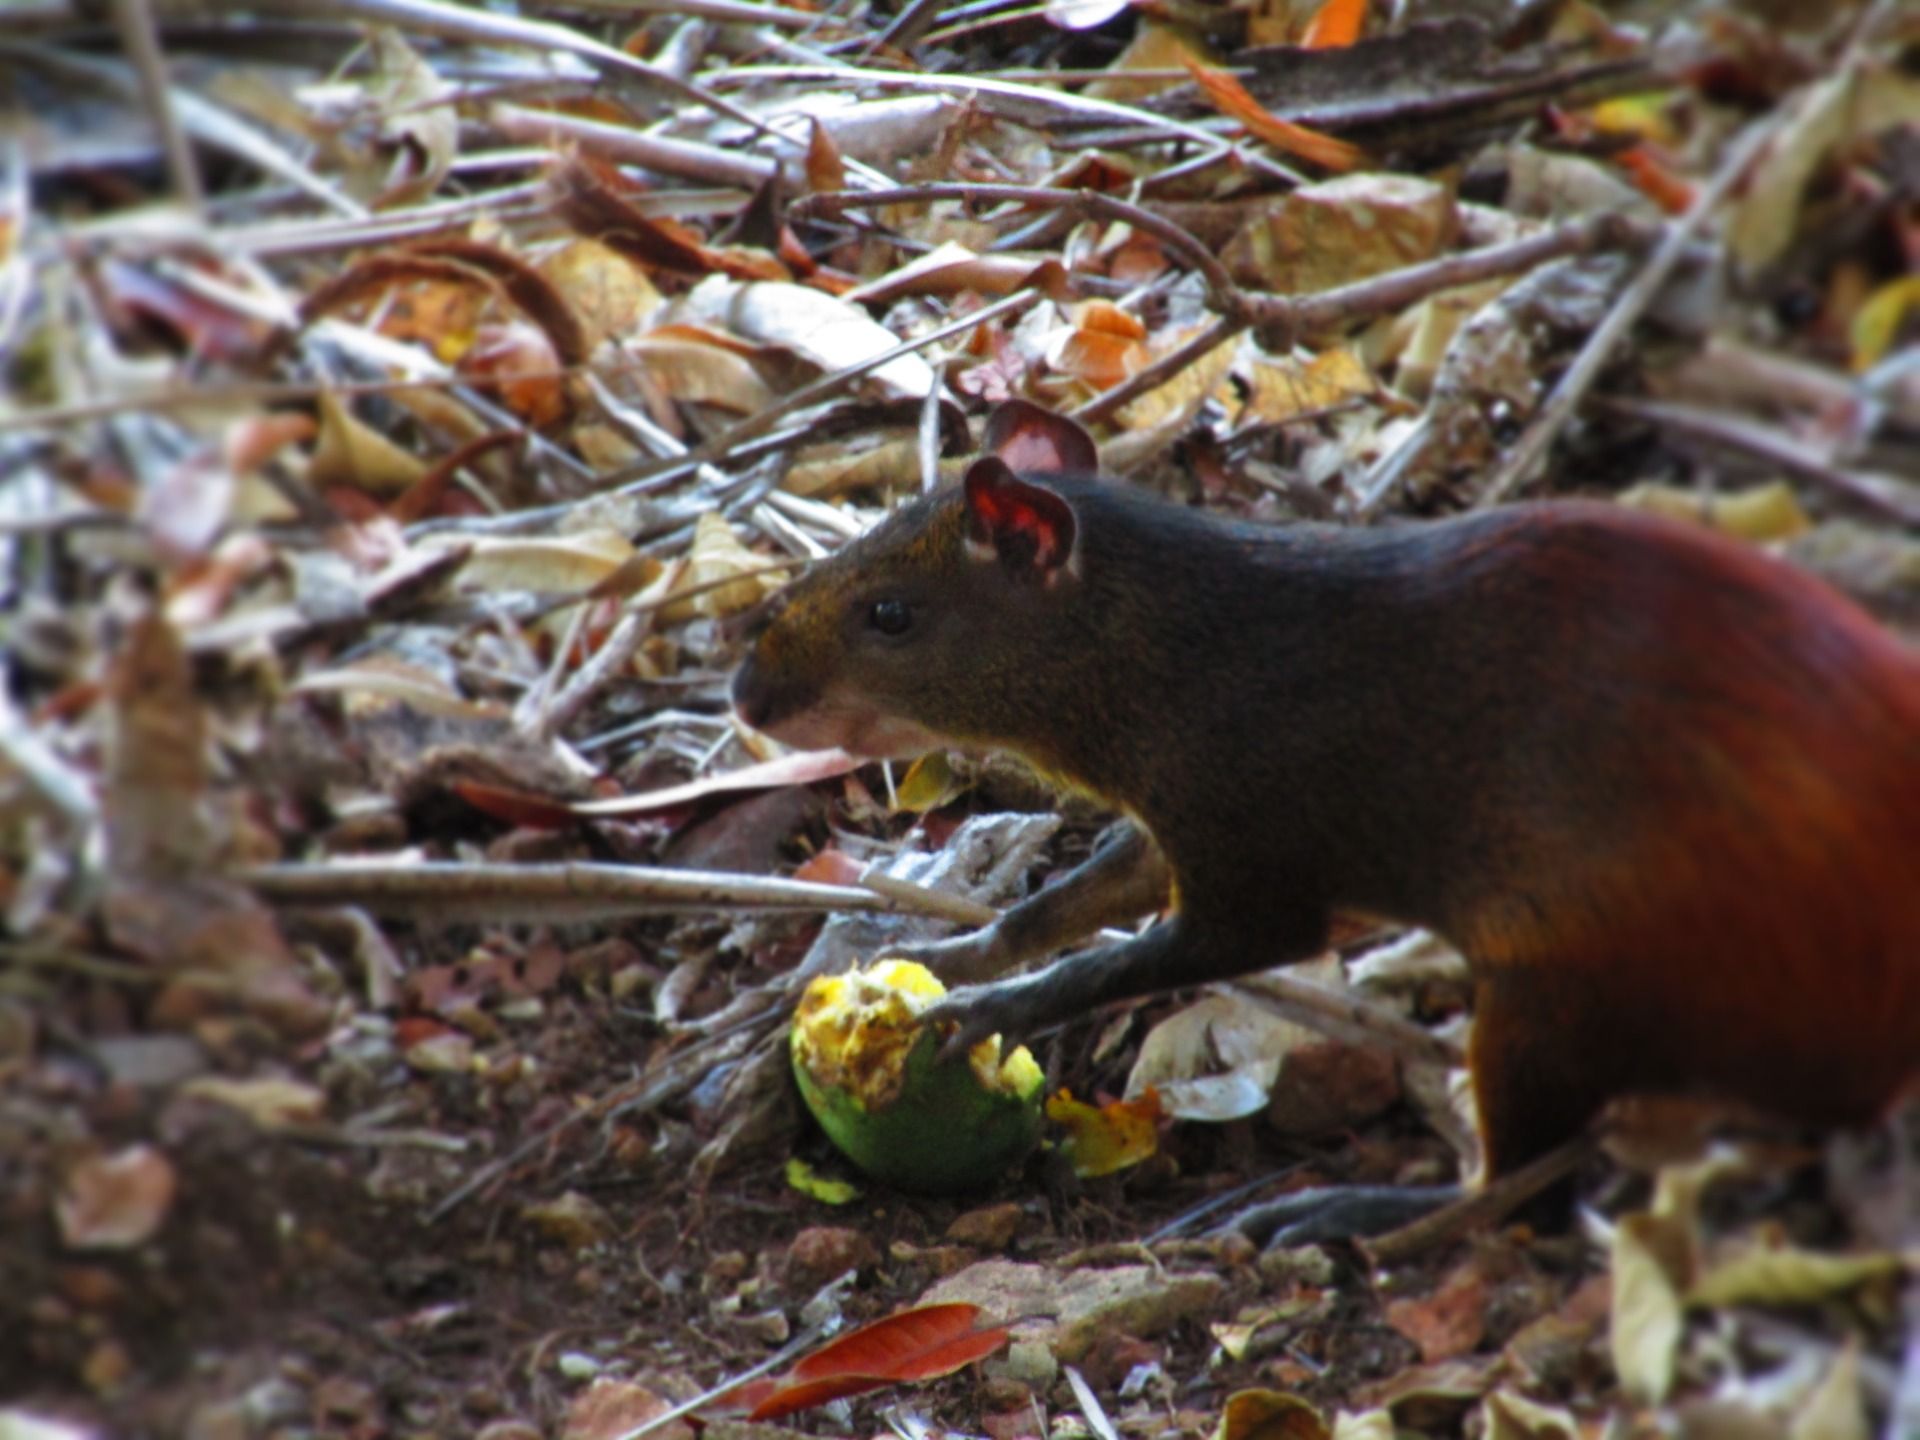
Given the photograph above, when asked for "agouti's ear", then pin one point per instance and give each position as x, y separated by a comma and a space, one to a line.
1026, 527
1038, 441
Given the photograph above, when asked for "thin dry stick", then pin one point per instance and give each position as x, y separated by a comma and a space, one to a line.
1633, 301
1348, 305
1888, 494
947, 905
481, 27
624, 145
1368, 299
1091, 203
730, 12
564, 893
134, 20
733, 444
1076, 107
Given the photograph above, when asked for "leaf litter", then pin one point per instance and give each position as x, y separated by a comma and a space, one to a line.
406, 404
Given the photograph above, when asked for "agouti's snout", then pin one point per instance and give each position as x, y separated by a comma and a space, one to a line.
753, 697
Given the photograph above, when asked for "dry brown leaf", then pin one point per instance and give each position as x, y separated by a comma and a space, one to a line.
612, 296
825, 169
516, 362
1837, 1409
1450, 1322
1786, 1275
1156, 45
1269, 1415
826, 470
356, 456
716, 554
419, 130
688, 366
559, 565
1342, 231
1174, 404
116, 1202
1508, 1416
1281, 389
1862, 100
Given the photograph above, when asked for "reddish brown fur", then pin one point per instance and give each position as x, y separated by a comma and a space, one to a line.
1762, 931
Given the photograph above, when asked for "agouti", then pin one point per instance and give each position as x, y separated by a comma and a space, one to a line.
1662, 790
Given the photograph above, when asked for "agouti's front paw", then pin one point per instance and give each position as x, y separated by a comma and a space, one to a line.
980, 1011
960, 959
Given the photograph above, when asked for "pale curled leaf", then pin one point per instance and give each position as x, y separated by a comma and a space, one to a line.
1647, 1321
823, 329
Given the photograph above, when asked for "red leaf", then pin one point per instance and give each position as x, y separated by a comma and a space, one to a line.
921, 1344
515, 807
900, 1347
790, 1399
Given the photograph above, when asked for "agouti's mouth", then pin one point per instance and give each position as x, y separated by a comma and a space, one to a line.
827, 722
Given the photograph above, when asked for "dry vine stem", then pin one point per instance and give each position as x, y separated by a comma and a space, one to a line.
1288, 316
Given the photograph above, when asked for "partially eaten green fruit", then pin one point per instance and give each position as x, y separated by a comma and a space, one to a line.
867, 1068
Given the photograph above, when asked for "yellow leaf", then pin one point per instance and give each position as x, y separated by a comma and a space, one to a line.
811, 1183
1108, 1138
1878, 323
1758, 515
928, 785
1280, 390
1644, 116
1763, 1276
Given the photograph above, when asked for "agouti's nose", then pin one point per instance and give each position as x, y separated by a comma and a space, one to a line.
752, 700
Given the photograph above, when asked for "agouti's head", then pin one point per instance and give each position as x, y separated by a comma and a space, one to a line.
916, 635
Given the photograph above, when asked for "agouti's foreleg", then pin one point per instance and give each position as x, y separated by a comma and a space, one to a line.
1124, 879
1181, 951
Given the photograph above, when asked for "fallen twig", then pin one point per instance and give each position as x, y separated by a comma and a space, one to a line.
554, 893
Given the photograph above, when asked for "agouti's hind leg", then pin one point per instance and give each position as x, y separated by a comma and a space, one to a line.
1123, 880
1540, 1071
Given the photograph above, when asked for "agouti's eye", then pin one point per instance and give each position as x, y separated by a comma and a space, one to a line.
891, 617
